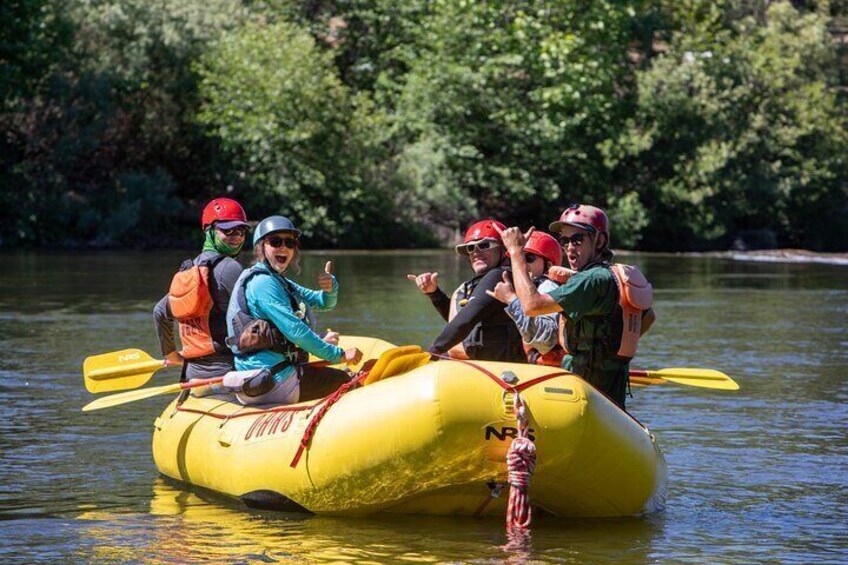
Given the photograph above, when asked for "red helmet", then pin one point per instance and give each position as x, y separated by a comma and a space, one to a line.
544, 245
226, 212
484, 229
584, 217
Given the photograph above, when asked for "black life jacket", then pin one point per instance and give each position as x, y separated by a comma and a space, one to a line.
493, 339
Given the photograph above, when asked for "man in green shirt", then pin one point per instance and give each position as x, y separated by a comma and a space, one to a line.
591, 323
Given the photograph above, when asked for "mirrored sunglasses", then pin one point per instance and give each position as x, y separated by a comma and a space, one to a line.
483, 245
576, 239
276, 241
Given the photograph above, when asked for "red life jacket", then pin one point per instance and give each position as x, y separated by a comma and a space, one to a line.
635, 295
552, 358
191, 304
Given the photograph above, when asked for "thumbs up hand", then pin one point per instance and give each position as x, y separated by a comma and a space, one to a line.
325, 279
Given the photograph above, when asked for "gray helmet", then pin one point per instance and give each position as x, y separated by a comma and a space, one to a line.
273, 224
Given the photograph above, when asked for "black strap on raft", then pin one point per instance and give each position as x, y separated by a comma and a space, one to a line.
184, 394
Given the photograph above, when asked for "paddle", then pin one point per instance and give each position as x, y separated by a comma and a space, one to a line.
120, 370
704, 378
133, 395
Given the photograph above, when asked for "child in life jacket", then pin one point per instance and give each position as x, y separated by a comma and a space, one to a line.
540, 334
200, 292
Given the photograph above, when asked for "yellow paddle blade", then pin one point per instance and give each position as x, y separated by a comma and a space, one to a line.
131, 396
704, 378
119, 370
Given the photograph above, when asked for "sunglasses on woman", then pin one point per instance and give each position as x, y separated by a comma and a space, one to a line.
576, 239
276, 241
530, 257
483, 245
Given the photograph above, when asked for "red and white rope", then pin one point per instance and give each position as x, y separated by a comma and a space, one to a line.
520, 462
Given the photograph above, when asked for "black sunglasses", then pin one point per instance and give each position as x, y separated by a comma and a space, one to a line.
576, 239
530, 257
238, 230
484, 245
276, 241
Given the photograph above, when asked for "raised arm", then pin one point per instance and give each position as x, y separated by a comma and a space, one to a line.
533, 302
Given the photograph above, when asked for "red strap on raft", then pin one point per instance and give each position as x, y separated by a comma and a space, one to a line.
498, 381
327, 403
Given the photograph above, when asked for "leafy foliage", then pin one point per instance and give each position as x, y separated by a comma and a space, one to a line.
303, 143
384, 124
743, 135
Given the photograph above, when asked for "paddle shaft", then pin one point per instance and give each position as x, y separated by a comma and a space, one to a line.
134, 395
214, 380
200, 382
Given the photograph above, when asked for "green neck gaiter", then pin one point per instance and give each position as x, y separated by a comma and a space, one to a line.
217, 245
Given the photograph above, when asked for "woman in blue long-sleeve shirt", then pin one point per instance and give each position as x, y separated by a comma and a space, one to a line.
281, 314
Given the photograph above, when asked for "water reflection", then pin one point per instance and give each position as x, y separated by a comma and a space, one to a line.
188, 525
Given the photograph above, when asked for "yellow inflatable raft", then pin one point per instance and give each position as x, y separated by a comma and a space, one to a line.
430, 440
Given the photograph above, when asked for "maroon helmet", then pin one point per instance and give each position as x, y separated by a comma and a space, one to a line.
585, 217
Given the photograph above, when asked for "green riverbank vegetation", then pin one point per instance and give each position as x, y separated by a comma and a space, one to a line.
699, 124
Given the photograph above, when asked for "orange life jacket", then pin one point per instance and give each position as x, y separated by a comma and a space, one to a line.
635, 295
191, 304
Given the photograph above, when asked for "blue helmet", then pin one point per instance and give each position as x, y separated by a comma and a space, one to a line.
273, 224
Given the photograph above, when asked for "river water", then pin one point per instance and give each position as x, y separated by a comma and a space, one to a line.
756, 476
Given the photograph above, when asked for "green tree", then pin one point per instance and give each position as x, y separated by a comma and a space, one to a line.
303, 143
737, 129
105, 143
519, 96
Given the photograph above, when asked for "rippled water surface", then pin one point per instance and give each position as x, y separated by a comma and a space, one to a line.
760, 475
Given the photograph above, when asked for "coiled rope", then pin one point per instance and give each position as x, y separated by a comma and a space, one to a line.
520, 463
